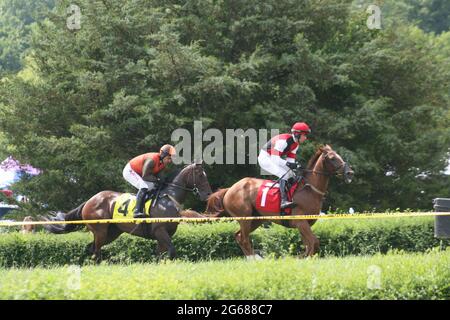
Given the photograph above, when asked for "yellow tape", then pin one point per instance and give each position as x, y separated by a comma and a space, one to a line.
209, 219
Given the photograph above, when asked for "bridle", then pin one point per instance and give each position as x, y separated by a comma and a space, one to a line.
336, 171
194, 190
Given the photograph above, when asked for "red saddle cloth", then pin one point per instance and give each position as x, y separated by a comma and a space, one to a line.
269, 198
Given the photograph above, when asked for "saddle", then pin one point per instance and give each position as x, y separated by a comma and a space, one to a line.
268, 198
153, 195
126, 203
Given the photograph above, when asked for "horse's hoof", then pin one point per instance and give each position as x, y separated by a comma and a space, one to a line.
254, 257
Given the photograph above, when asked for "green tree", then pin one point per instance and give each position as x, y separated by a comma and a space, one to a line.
429, 15
433, 15
89, 100
16, 20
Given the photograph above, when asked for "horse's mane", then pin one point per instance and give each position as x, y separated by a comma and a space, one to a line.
316, 156
174, 173
169, 178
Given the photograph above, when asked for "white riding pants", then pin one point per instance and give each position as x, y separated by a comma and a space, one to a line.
272, 166
135, 179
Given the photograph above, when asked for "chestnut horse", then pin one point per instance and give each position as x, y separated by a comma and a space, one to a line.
240, 200
101, 206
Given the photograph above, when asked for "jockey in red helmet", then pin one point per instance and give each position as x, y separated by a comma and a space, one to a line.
142, 171
283, 145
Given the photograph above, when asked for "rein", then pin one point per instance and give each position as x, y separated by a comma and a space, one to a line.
317, 172
194, 190
324, 173
181, 187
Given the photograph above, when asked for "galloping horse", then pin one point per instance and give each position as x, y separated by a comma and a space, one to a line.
101, 206
240, 200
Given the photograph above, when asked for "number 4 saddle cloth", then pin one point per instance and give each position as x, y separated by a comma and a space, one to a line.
125, 204
268, 198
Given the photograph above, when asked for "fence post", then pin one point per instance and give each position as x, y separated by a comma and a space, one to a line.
442, 223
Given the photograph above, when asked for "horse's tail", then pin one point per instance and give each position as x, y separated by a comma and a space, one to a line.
72, 215
214, 206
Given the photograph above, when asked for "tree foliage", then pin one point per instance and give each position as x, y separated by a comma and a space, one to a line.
431, 15
16, 20
89, 100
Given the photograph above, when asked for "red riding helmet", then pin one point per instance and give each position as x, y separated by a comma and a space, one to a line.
300, 128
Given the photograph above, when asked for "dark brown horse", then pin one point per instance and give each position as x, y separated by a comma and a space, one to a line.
101, 206
240, 200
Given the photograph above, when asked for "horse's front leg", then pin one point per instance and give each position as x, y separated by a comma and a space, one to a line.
164, 242
310, 241
243, 238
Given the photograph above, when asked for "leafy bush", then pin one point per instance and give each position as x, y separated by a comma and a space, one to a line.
216, 241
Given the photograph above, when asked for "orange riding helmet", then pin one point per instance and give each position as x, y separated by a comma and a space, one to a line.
166, 150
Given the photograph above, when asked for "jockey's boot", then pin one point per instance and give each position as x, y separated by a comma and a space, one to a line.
291, 181
284, 201
140, 201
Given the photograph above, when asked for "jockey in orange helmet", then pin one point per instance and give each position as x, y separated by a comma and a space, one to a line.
142, 171
283, 145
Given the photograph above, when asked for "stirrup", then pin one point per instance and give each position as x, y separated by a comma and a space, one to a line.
138, 215
287, 204
291, 181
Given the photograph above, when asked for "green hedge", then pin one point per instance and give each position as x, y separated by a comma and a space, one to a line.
216, 241
391, 276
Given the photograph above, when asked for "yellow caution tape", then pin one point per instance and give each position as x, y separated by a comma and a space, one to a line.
210, 219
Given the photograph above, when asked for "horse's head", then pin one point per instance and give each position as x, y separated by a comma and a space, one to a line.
334, 164
197, 180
